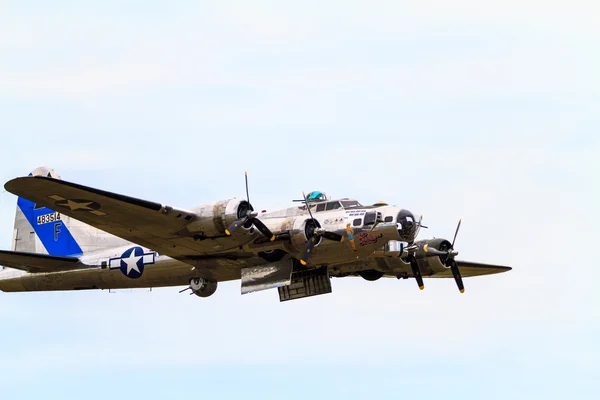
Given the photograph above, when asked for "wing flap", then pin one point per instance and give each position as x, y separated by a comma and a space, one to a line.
468, 269
38, 263
268, 276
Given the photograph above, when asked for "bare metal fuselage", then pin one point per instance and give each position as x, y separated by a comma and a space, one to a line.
225, 264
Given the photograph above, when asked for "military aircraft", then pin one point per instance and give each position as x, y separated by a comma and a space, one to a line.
71, 237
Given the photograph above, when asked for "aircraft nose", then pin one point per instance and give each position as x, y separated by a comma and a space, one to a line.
407, 226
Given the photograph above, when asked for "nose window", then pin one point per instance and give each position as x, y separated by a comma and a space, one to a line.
406, 225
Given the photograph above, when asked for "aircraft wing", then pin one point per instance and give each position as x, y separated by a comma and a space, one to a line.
472, 269
143, 222
35, 263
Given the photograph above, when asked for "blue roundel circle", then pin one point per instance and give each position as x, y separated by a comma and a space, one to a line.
132, 262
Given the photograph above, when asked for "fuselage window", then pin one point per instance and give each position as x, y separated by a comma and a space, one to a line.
334, 205
389, 219
357, 222
320, 207
370, 218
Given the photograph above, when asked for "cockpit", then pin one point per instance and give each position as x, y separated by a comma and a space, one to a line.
320, 202
335, 205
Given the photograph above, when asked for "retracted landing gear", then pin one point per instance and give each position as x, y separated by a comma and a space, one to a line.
201, 287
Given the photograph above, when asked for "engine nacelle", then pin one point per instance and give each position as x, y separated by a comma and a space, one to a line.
302, 231
214, 218
429, 263
203, 287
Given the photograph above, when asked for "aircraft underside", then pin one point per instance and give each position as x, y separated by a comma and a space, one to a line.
296, 282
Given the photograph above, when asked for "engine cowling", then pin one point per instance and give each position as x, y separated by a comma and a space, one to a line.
203, 287
214, 218
429, 263
302, 231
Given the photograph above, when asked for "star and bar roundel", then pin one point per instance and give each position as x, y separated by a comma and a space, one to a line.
78, 205
132, 262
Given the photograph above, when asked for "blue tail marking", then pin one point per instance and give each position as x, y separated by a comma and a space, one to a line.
52, 231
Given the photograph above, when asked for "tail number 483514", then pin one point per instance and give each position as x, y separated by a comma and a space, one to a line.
48, 218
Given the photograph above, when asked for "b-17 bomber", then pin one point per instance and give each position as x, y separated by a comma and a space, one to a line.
72, 237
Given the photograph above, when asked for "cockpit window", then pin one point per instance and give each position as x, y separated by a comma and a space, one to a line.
333, 205
370, 218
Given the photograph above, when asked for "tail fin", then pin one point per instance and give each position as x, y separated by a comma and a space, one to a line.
45, 231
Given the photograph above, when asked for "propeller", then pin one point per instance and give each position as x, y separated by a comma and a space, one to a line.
448, 259
250, 218
316, 234
416, 271
414, 265
456, 233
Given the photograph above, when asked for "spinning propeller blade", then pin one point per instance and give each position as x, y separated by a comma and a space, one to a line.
310, 245
262, 228
457, 277
450, 261
456, 234
247, 191
416, 272
236, 225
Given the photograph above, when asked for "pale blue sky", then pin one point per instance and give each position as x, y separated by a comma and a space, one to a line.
489, 112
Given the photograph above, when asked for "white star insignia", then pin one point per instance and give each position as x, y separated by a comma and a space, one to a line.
131, 262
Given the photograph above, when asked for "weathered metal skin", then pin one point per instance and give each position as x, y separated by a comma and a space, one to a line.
153, 245
289, 225
212, 219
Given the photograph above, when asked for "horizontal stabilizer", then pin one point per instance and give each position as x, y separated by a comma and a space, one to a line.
38, 263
